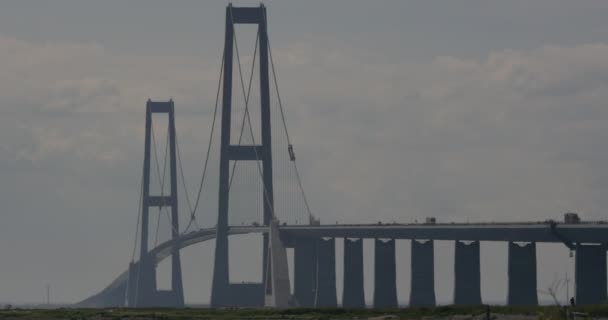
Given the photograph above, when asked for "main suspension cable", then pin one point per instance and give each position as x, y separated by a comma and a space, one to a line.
209, 144
139, 210
141, 196
181, 171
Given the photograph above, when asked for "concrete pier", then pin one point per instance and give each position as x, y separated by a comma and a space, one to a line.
326, 274
522, 274
422, 291
590, 274
467, 284
305, 272
385, 288
277, 293
353, 294
131, 290
144, 278
141, 289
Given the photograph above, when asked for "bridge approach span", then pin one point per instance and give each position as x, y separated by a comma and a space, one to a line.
114, 294
523, 232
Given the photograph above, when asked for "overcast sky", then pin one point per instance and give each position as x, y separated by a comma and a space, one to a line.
465, 110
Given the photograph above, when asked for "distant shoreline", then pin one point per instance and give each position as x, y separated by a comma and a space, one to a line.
441, 312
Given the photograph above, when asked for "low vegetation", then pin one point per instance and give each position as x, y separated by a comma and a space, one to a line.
444, 312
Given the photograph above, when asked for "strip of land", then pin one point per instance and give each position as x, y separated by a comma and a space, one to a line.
443, 313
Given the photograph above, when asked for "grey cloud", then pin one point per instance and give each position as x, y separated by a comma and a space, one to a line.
494, 138
466, 131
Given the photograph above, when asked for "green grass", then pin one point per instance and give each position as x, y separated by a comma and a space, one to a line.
545, 312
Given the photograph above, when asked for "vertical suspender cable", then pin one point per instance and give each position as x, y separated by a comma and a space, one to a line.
290, 146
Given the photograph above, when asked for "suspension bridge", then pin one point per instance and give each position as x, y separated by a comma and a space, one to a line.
260, 191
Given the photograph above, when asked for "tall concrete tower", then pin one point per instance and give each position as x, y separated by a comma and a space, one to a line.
142, 290
223, 293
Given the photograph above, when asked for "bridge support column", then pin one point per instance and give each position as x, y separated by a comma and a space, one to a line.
385, 288
522, 274
142, 291
590, 274
353, 295
305, 272
132, 285
146, 293
467, 284
278, 291
422, 291
221, 292
326, 274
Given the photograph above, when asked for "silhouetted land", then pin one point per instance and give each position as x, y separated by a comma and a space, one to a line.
446, 312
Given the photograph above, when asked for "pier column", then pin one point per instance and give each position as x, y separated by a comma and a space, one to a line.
467, 284
144, 273
590, 274
422, 291
385, 288
132, 285
305, 272
326, 274
353, 294
522, 274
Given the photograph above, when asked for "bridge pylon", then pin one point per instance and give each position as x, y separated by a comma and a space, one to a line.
141, 288
223, 293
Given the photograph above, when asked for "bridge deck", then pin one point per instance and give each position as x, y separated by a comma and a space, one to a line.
596, 232
525, 232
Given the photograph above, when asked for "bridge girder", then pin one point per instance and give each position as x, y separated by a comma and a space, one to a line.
582, 233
